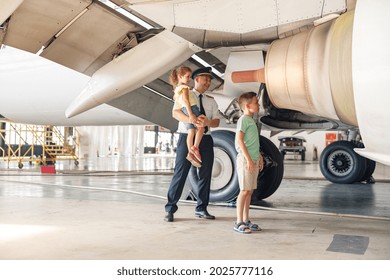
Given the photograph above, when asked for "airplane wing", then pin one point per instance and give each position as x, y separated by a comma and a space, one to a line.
316, 73
99, 39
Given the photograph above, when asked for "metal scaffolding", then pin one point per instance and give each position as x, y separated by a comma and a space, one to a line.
43, 145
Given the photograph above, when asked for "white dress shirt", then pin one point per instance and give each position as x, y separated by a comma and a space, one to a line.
210, 107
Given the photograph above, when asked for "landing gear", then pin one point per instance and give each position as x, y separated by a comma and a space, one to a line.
367, 176
270, 178
340, 164
224, 182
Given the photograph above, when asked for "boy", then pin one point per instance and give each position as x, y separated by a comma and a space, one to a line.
249, 160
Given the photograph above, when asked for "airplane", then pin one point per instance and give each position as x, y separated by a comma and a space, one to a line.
316, 65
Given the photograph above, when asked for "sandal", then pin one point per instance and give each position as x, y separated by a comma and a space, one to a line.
253, 227
191, 158
195, 152
241, 228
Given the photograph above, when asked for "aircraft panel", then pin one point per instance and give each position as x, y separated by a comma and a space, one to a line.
35, 22
288, 12
232, 20
336, 6
161, 12
96, 32
156, 108
371, 82
7, 8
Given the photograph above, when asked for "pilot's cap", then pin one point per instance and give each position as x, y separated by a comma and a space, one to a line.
201, 72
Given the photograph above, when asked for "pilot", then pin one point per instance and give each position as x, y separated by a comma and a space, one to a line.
202, 80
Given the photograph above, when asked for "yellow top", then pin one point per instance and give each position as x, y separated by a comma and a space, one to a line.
179, 96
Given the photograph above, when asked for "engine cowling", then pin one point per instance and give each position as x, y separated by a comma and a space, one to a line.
311, 71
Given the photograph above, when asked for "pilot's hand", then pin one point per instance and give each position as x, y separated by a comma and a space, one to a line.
202, 121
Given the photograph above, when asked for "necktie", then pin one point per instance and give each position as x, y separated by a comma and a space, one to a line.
201, 109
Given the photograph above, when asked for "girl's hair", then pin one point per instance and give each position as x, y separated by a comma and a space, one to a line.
245, 98
174, 76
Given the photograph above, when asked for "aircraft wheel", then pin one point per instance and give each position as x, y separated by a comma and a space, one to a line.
224, 181
270, 178
340, 164
371, 165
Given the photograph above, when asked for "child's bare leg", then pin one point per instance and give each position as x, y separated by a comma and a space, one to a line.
190, 138
240, 210
245, 217
195, 147
247, 203
240, 202
198, 136
190, 146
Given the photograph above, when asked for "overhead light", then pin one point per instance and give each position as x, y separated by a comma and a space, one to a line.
126, 14
205, 64
40, 50
148, 26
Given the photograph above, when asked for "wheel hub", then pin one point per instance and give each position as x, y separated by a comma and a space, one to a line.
222, 169
340, 163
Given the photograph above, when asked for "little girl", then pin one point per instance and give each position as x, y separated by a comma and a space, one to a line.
180, 78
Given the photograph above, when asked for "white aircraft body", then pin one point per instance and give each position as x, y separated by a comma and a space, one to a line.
316, 64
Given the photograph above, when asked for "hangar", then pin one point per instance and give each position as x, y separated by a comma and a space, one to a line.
112, 208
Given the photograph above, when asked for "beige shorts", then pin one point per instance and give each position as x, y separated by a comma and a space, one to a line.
246, 180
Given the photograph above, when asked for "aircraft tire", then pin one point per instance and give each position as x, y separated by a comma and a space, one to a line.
340, 164
267, 183
224, 182
371, 165
270, 178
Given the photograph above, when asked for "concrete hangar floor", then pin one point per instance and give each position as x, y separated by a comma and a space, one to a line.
85, 213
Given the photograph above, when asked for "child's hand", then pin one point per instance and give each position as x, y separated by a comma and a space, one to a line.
261, 163
250, 165
193, 119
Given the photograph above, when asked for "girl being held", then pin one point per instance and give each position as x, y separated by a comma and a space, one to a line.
185, 99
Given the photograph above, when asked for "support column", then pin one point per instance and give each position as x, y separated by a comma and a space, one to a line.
2, 136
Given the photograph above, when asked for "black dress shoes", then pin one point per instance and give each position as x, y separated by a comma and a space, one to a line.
168, 217
204, 215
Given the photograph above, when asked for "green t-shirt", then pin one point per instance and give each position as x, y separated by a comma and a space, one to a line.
247, 125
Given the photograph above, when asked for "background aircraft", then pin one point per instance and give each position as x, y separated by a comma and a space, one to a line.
316, 65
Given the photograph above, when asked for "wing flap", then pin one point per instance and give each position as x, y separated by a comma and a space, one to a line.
35, 22
139, 66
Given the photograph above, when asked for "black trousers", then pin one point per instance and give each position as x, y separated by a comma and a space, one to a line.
182, 167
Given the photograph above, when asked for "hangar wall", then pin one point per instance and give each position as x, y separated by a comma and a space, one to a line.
96, 141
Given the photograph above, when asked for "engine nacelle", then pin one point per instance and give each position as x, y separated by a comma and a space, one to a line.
338, 70
311, 72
